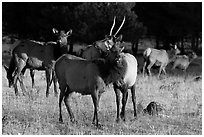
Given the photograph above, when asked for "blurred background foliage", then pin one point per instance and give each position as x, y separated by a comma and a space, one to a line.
167, 22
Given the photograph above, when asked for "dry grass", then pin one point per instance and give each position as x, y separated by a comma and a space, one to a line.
34, 114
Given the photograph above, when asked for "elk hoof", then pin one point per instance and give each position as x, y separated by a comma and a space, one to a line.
47, 94
117, 120
134, 119
99, 126
122, 117
73, 120
60, 120
23, 93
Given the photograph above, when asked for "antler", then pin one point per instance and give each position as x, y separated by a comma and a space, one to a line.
175, 46
55, 31
120, 26
112, 26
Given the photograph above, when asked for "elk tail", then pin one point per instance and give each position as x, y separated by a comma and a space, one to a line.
147, 52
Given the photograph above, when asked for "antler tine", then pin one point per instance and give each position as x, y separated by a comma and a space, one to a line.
120, 26
112, 26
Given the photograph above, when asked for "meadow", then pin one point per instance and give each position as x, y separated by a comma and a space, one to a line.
34, 114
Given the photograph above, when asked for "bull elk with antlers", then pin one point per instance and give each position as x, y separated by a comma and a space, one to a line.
99, 48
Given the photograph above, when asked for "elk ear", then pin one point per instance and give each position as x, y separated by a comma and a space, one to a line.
122, 48
6, 68
55, 31
119, 38
69, 32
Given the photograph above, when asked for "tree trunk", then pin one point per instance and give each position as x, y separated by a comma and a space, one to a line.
71, 48
70, 45
193, 42
182, 46
135, 47
157, 43
166, 44
196, 43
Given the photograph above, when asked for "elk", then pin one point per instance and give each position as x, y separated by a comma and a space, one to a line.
99, 48
183, 61
128, 81
159, 58
129, 75
91, 80
36, 56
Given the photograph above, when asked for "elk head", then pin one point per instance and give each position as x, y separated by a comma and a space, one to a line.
62, 36
175, 49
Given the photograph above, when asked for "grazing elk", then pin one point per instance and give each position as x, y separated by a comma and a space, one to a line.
88, 77
99, 48
159, 58
183, 61
38, 56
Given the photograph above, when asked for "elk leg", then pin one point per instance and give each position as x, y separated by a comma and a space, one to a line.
149, 67
144, 68
185, 74
67, 104
15, 83
22, 83
174, 66
62, 93
48, 73
133, 88
55, 82
32, 74
164, 70
124, 101
22, 72
160, 70
95, 99
117, 93
18, 75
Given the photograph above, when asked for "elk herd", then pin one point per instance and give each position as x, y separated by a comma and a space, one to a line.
101, 64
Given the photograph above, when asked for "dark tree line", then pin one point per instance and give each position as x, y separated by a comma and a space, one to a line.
168, 22
172, 22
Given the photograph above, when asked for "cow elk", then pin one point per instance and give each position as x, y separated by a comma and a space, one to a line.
183, 61
29, 54
161, 58
88, 77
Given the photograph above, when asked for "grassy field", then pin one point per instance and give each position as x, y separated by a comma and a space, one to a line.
34, 114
